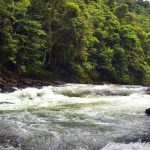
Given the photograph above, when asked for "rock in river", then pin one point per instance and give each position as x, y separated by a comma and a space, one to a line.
147, 111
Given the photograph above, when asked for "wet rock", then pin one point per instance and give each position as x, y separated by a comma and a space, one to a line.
148, 91
10, 85
8, 88
33, 83
59, 82
7, 85
46, 83
2, 82
12, 81
147, 111
36, 83
27, 82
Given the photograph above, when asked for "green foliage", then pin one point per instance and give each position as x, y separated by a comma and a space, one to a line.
72, 9
21, 38
122, 11
86, 40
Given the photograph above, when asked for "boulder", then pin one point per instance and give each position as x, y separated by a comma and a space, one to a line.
147, 111
59, 82
47, 83
27, 82
7, 89
148, 91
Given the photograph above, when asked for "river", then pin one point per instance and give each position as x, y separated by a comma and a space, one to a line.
75, 117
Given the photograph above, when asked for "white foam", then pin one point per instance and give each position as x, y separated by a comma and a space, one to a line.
130, 146
32, 97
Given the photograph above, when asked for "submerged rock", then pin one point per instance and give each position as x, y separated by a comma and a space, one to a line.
147, 111
148, 91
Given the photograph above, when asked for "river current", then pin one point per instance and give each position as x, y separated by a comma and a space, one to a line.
75, 117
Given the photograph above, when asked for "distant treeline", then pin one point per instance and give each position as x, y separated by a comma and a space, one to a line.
76, 40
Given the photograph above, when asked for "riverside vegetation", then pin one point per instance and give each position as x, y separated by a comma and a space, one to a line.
76, 40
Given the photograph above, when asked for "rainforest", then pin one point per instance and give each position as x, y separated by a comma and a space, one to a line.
83, 41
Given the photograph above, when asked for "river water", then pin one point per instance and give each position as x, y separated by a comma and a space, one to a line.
75, 117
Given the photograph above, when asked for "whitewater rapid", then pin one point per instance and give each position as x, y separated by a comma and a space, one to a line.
76, 117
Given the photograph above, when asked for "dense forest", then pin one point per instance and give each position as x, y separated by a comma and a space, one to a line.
76, 40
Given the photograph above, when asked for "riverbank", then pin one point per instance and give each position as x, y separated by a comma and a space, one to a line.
9, 85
